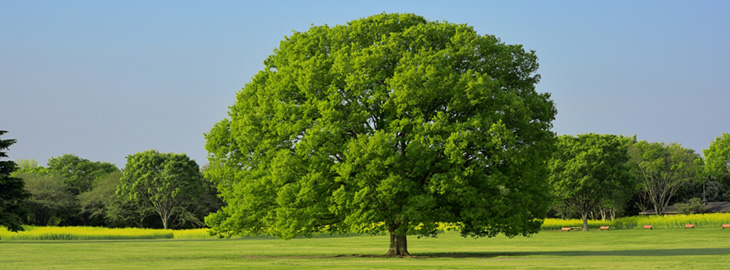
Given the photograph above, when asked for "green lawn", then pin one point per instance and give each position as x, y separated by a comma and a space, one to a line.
706, 248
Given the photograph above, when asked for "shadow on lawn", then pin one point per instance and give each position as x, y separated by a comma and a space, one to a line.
516, 255
569, 253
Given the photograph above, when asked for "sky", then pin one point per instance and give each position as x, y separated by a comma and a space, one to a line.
107, 79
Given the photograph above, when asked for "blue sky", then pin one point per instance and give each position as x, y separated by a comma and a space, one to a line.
106, 79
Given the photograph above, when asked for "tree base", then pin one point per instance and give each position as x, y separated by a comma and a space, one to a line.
406, 255
398, 246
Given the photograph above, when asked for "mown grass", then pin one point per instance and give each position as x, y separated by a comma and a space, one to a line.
99, 233
621, 249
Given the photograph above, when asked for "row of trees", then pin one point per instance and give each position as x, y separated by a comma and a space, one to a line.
606, 174
153, 190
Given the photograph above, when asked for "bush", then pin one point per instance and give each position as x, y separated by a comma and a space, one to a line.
695, 206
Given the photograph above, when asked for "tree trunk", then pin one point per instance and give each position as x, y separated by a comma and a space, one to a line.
585, 222
165, 218
398, 246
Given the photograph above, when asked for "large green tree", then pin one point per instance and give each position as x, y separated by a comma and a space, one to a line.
663, 169
590, 170
162, 181
390, 123
12, 190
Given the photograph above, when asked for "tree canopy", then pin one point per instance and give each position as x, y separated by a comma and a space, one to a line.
717, 157
51, 203
390, 123
590, 169
78, 173
663, 169
163, 181
12, 190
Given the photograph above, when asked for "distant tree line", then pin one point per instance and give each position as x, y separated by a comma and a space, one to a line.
593, 176
154, 190
605, 176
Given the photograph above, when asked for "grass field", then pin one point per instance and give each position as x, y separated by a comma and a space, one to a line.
703, 248
100, 233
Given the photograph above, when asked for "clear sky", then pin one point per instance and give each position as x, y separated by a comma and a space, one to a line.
106, 79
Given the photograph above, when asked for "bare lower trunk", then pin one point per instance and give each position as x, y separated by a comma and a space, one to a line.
165, 217
398, 246
585, 222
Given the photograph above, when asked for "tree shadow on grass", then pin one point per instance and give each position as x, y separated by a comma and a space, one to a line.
517, 255
584, 253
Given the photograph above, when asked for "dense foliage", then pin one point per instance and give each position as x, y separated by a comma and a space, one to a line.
12, 190
53, 203
717, 157
161, 181
390, 123
663, 169
78, 173
590, 170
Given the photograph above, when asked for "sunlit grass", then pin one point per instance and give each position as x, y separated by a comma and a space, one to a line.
701, 248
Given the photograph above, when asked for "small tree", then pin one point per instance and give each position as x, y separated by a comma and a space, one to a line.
664, 169
12, 190
694, 206
717, 157
589, 170
161, 180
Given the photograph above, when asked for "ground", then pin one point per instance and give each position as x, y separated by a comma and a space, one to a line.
704, 248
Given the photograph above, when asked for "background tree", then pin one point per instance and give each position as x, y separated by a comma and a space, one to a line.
590, 170
12, 190
162, 181
95, 202
390, 123
717, 157
29, 166
79, 173
79, 176
50, 203
194, 211
120, 211
663, 170
693, 206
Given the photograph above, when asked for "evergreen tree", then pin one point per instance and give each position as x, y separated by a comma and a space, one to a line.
12, 190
